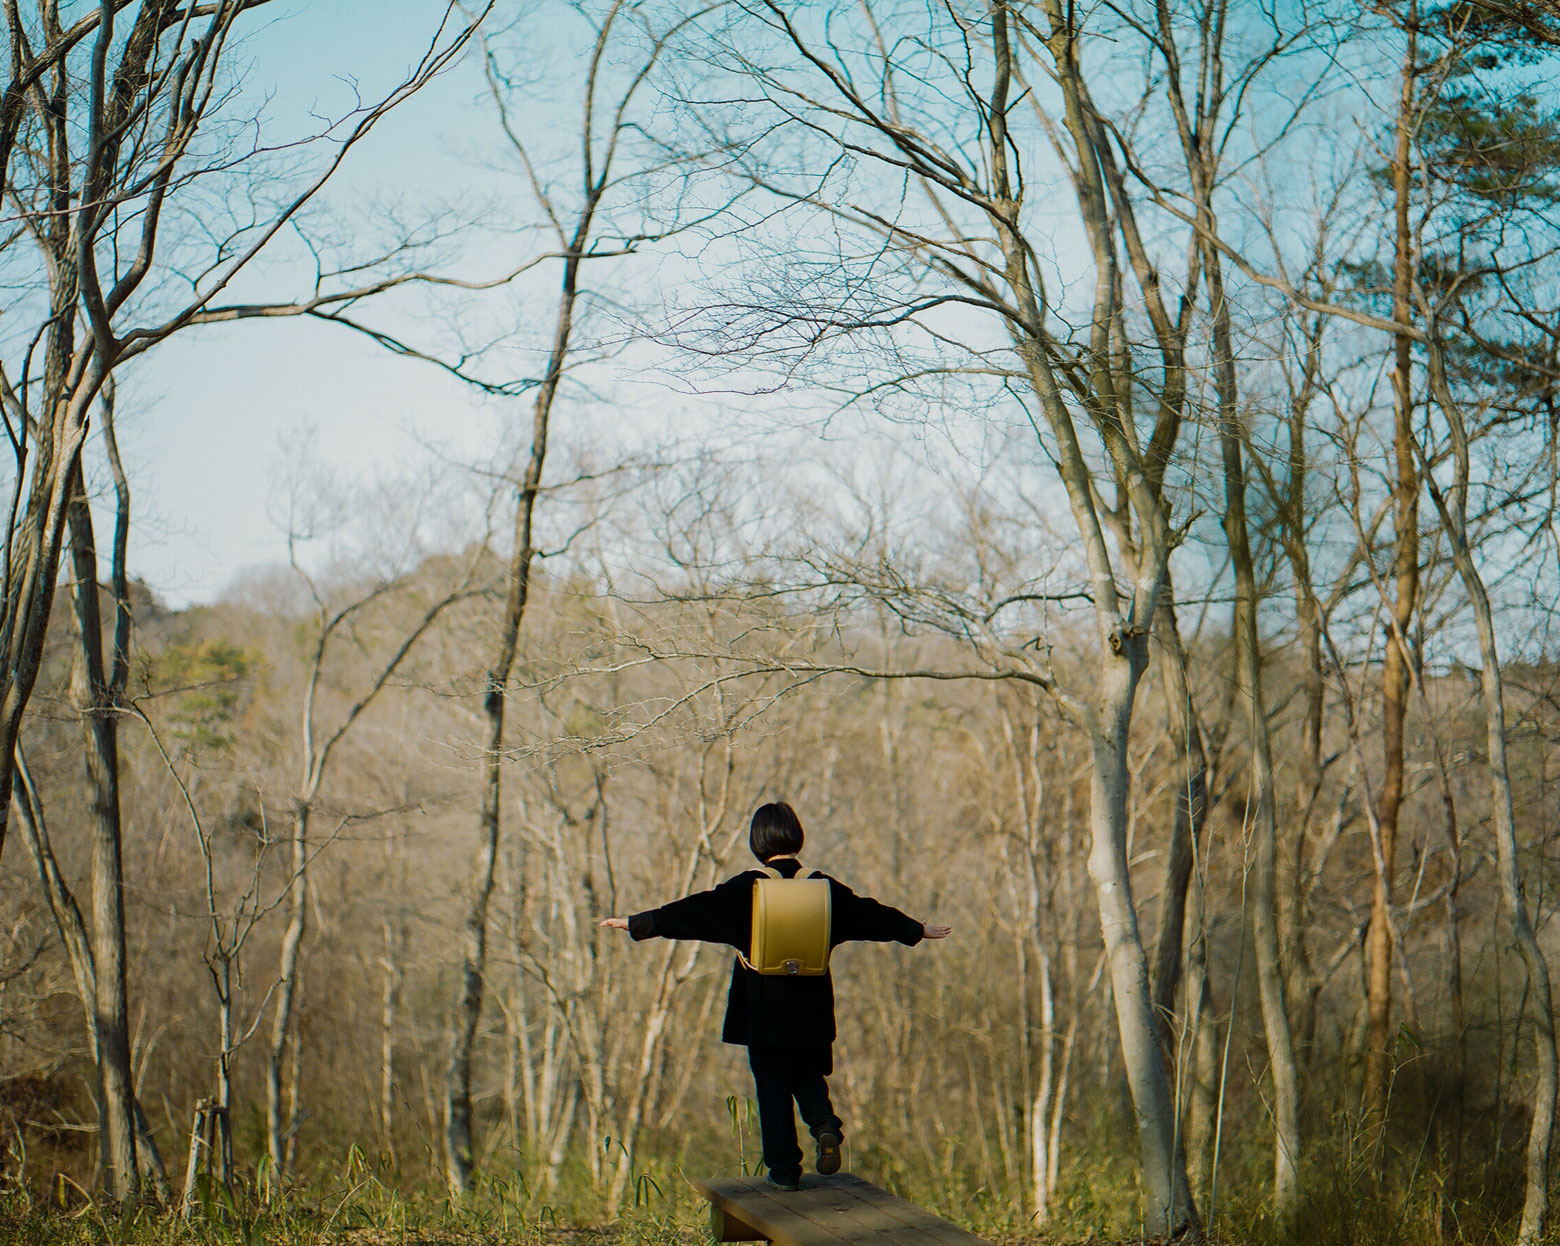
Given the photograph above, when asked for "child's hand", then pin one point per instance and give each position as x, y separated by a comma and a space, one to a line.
936, 932
613, 923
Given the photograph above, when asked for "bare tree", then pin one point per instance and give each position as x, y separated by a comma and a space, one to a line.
138, 95
609, 120
94, 215
987, 259
1398, 665
1451, 507
79, 944
97, 951
99, 692
334, 624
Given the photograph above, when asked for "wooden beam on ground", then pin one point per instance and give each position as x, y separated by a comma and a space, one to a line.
842, 1210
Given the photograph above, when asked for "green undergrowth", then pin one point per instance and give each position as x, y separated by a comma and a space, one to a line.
299, 1221
365, 1201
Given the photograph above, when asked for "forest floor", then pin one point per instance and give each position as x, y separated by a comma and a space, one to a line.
612, 1236
368, 1211
64, 1229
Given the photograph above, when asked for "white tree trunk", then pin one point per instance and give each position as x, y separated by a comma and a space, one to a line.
389, 1011
1169, 1204
1262, 827
1040, 1105
1453, 516
278, 1119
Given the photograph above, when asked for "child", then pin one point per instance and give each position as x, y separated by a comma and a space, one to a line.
785, 1022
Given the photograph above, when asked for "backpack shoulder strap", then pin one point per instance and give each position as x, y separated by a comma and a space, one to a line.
772, 873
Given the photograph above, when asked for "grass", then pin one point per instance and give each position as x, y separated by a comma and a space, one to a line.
361, 1219
373, 1218
366, 1200
372, 1210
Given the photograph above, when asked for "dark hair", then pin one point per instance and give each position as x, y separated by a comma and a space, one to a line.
776, 831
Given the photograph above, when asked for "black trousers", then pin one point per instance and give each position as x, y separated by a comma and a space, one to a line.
780, 1075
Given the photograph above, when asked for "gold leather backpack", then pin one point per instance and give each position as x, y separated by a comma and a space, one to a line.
791, 925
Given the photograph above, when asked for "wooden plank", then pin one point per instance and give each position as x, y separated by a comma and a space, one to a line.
908, 1213
727, 1226
775, 1213
798, 1218
868, 1221
907, 1220
842, 1210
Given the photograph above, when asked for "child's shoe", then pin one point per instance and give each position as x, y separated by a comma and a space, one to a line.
828, 1153
790, 1187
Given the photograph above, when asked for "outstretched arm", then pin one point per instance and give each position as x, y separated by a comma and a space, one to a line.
861, 917
720, 915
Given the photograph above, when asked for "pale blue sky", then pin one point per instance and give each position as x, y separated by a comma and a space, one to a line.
212, 421
207, 419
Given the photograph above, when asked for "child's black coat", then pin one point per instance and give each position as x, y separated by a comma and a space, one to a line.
774, 1010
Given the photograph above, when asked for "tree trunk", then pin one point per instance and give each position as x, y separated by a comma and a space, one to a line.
1535, 1203
1169, 1204
389, 1011
96, 696
1263, 824
1122, 649
1043, 1101
1396, 667
72, 928
116, 1083
223, 973
1200, 1074
1262, 843
279, 1119
457, 1133
1191, 810
468, 1010
1454, 522
35, 544
1300, 974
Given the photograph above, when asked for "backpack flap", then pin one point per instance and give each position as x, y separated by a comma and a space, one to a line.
791, 926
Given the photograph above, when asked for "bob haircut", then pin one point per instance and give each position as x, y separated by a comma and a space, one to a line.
776, 831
